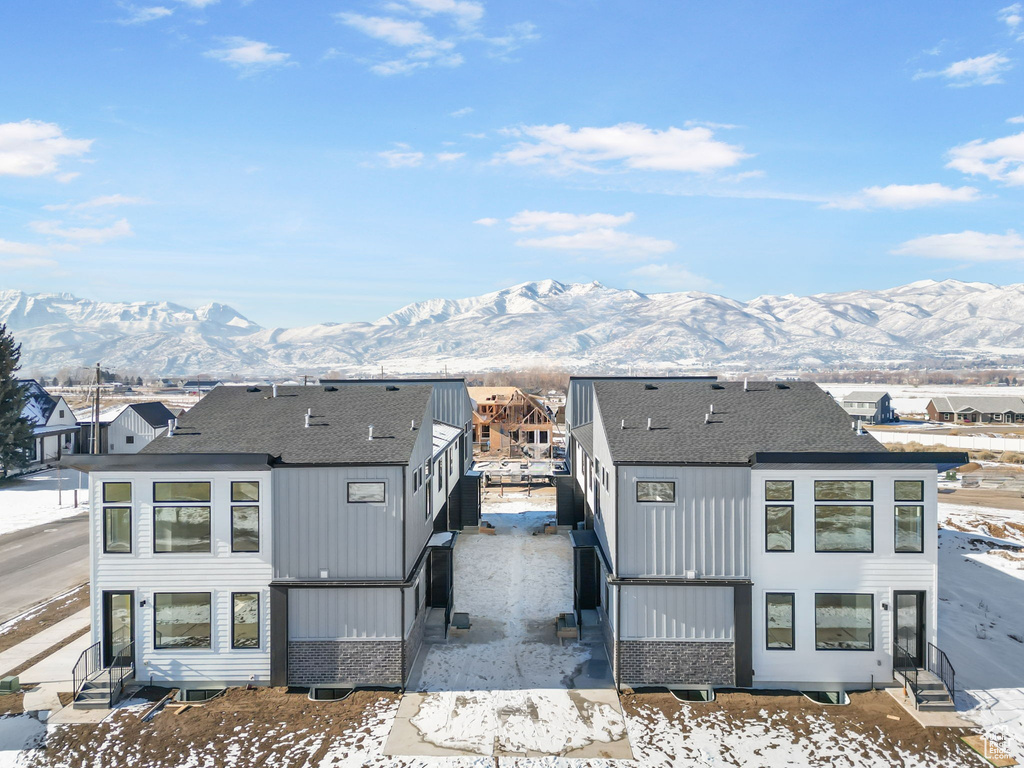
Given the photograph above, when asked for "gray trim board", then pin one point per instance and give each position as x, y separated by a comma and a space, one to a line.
278, 636
211, 462
669, 581
743, 635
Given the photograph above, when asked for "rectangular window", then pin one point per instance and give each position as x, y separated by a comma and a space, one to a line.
117, 493
843, 528
778, 490
182, 619
778, 526
62, 413
181, 491
909, 490
910, 528
778, 610
366, 493
129, 439
245, 529
844, 622
245, 490
843, 490
544, 438
656, 490
485, 432
245, 620
117, 530
181, 529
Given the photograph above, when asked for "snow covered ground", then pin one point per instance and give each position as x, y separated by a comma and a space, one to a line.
40, 498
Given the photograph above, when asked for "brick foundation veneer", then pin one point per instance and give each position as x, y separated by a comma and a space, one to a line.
359, 662
648, 662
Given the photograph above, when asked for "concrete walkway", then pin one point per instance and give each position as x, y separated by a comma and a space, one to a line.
17, 655
51, 676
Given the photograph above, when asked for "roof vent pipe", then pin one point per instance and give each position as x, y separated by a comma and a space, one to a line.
745, 387
412, 425
307, 421
648, 423
860, 427
711, 408
707, 418
622, 425
309, 411
371, 433
170, 427
275, 390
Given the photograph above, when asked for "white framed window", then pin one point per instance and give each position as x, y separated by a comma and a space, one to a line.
366, 492
658, 491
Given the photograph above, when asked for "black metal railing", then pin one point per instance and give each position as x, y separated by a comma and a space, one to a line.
938, 665
88, 664
122, 667
905, 664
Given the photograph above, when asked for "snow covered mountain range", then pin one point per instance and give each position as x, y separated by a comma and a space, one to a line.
577, 327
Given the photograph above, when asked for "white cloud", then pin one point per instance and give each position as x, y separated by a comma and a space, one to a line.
906, 196
966, 246
86, 235
604, 240
27, 262
424, 49
143, 14
461, 112
249, 56
399, 158
487, 222
104, 201
999, 159
449, 157
34, 148
669, 277
981, 70
22, 249
64, 178
1012, 16
1016, 120
514, 38
198, 3
555, 221
465, 13
626, 145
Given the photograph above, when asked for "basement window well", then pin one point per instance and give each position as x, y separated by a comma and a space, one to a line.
329, 694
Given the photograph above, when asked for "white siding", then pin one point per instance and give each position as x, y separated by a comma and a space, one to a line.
677, 613
345, 614
129, 424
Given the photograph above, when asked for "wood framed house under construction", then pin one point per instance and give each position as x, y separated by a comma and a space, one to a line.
510, 422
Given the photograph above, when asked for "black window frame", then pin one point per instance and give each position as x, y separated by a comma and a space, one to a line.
871, 495
383, 491
919, 499
234, 624
792, 532
129, 439
259, 537
179, 502
165, 505
655, 501
245, 502
870, 595
156, 643
117, 482
868, 551
792, 621
131, 530
896, 530
792, 492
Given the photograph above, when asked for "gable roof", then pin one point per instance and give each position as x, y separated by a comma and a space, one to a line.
238, 420
792, 417
980, 403
155, 414
867, 396
39, 403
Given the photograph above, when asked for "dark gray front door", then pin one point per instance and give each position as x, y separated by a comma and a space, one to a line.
118, 624
910, 623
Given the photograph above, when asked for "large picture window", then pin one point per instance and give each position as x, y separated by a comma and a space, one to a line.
843, 490
656, 490
844, 622
181, 529
778, 609
245, 620
182, 619
909, 528
843, 528
117, 530
245, 529
368, 493
117, 493
778, 526
181, 491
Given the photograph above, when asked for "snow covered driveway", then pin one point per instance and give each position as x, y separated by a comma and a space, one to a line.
40, 498
508, 687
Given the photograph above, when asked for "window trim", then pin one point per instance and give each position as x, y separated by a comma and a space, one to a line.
381, 483
781, 502
129, 439
131, 530
868, 551
896, 530
259, 538
166, 505
131, 491
158, 647
918, 500
792, 527
870, 648
245, 502
208, 502
640, 482
259, 644
870, 499
792, 618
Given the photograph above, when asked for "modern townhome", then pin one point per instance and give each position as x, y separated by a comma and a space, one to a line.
136, 426
743, 534
977, 409
874, 407
53, 423
283, 535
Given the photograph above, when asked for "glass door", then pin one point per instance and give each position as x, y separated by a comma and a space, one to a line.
910, 624
118, 624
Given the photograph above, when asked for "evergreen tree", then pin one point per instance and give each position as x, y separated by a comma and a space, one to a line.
15, 431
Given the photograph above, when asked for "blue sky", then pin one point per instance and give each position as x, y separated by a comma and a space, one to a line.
333, 161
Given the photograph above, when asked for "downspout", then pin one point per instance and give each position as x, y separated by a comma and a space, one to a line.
618, 590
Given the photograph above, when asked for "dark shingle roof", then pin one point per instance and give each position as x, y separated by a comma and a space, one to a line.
40, 404
796, 416
155, 414
235, 420
584, 435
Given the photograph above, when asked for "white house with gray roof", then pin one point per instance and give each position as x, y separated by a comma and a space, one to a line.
54, 424
279, 535
977, 409
742, 534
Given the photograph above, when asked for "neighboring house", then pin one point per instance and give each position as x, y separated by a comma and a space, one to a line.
977, 409
744, 535
136, 426
873, 407
509, 421
281, 535
53, 423
198, 386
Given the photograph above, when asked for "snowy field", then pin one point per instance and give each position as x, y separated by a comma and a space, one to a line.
911, 399
41, 498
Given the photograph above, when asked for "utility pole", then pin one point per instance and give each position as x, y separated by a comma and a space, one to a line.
96, 415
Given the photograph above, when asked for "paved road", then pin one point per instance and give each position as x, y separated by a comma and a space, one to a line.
37, 563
